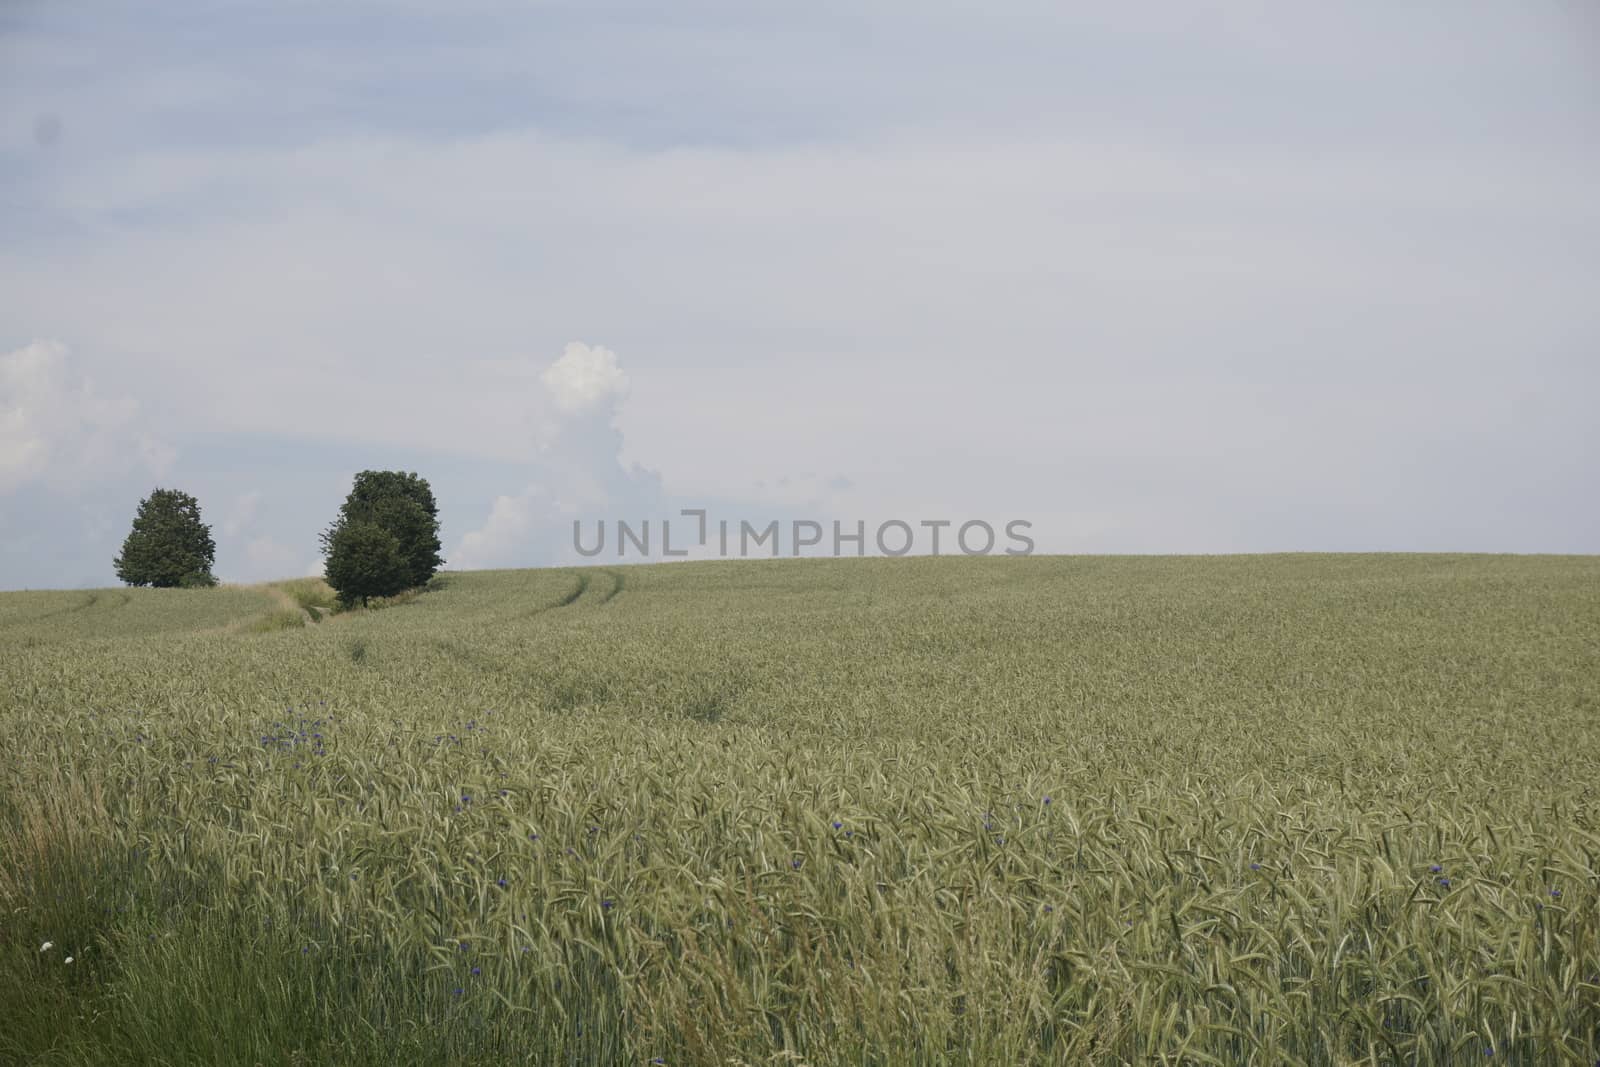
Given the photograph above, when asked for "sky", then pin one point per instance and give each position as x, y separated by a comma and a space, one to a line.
1231, 276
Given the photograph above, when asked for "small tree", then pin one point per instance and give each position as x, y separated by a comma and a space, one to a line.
364, 560
398, 504
168, 546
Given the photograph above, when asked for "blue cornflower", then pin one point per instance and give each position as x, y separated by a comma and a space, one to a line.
476, 971
457, 991
1436, 868
837, 824
1255, 866
502, 883
1047, 800
606, 904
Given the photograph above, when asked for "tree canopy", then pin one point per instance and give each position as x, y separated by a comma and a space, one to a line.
168, 546
364, 560
386, 538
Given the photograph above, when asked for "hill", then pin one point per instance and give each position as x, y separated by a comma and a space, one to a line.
1300, 808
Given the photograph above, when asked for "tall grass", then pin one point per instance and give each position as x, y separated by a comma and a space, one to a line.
313, 596
1316, 810
273, 621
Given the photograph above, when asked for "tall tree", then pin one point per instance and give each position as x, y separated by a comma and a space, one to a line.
168, 546
399, 504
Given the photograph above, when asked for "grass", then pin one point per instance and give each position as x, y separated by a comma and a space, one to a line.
1291, 809
50, 618
274, 621
313, 595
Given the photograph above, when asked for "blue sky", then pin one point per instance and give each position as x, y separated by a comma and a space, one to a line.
1240, 276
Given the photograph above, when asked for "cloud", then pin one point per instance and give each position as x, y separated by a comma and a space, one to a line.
505, 535
534, 526
576, 468
585, 379
57, 429
900, 258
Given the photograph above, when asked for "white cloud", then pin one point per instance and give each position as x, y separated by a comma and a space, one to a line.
577, 468
504, 538
585, 379
819, 303
58, 429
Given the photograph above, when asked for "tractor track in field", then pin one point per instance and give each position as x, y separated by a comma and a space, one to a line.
565, 600
604, 592
616, 587
572, 597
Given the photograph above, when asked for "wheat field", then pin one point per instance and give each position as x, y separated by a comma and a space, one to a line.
1302, 809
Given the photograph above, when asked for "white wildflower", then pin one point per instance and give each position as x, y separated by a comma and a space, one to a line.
69, 959
47, 946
